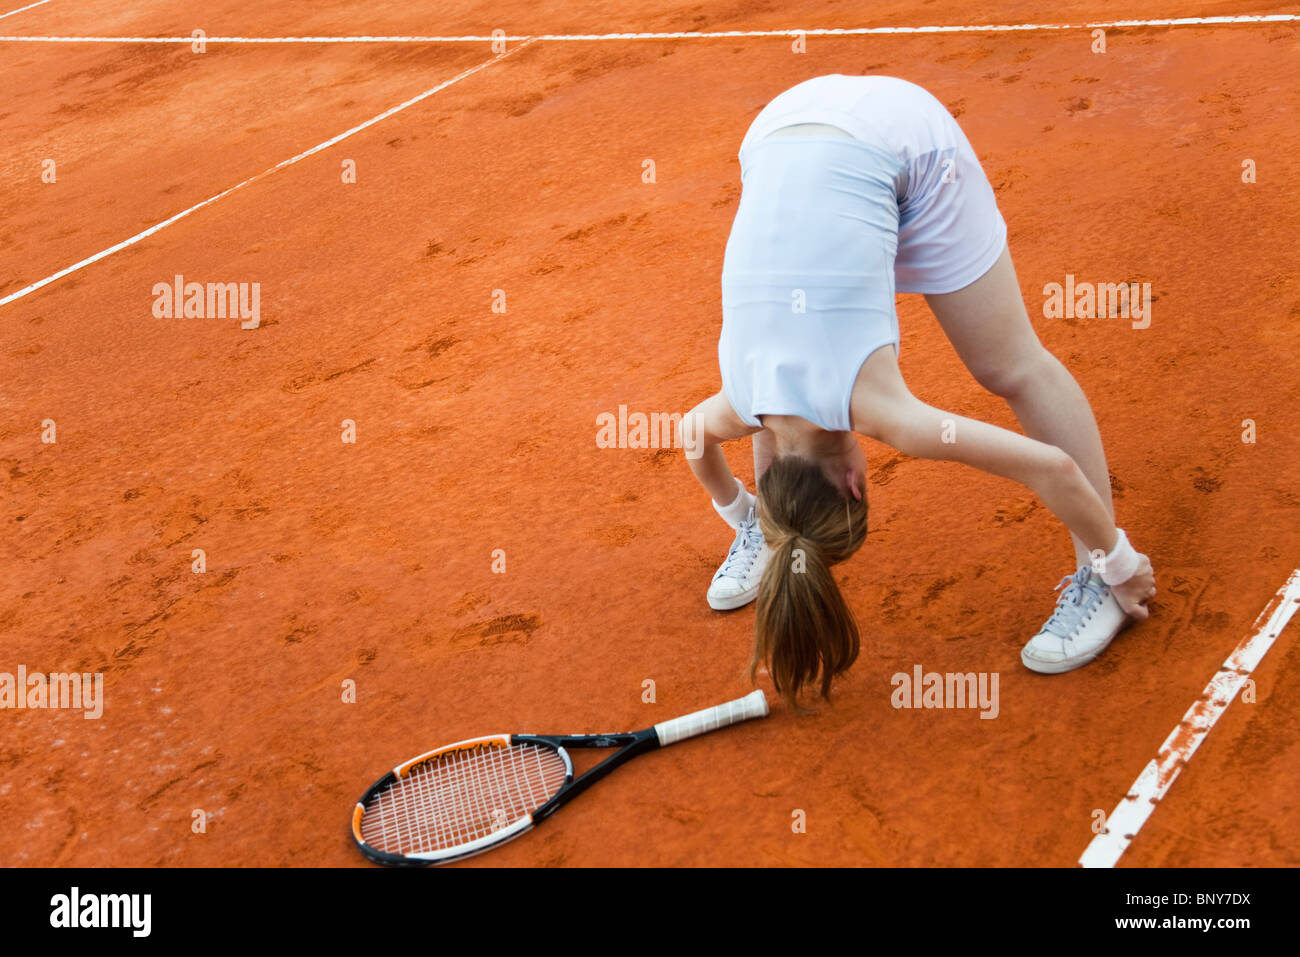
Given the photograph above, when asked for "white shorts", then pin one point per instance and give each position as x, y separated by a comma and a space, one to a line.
948, 232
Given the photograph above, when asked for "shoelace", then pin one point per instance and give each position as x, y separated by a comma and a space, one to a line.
1080, 594
748, 543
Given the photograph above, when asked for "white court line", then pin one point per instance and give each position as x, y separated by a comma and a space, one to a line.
38, 3
252, 179
525, 41
1154, 781
695, 35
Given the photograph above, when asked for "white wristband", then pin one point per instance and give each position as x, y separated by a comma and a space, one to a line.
1120, 565
738, 510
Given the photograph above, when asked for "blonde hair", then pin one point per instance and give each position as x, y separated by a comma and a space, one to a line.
804, 631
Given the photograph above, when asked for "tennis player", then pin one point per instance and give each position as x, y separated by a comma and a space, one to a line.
855, 187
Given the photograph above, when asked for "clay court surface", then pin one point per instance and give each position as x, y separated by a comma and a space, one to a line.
476, 431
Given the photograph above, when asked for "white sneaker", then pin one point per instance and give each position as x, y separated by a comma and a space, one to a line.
736, 582
1086, 619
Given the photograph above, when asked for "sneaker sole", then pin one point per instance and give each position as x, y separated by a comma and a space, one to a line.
1070, 664
732, 602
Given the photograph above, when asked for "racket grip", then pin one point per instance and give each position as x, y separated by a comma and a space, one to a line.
711, 719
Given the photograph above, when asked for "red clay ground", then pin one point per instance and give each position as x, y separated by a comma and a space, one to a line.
476, 431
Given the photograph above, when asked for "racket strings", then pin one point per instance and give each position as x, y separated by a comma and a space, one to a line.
462, 796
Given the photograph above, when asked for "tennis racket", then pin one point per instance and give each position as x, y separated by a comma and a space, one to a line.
471, 796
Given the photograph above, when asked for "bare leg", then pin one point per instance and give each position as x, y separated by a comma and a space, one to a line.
990, 329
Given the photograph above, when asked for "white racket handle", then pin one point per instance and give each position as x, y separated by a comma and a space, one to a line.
711, 719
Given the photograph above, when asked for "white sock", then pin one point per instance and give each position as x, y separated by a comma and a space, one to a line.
738, 510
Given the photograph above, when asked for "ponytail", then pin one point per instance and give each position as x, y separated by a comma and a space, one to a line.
804, 630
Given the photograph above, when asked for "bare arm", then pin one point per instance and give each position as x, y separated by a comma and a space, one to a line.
914, 428
705, 428
889, 412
